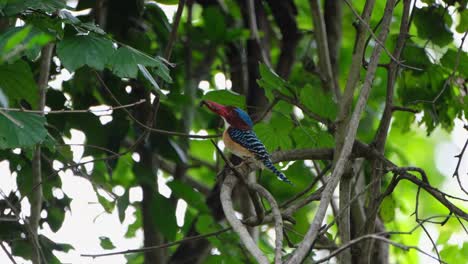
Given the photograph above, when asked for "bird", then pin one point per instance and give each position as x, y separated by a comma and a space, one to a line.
240, 138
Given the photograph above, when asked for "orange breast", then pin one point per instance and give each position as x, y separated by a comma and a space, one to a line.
235, 148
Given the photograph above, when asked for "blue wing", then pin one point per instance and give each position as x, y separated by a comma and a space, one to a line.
249, 140
244, 116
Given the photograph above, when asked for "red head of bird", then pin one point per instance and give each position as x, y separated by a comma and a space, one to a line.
234, 116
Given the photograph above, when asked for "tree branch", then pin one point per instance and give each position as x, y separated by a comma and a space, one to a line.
166, 245
277, 217
226, 201
349, 138
36, 197
326, 72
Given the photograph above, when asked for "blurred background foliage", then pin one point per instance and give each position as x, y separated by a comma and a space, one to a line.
116, 53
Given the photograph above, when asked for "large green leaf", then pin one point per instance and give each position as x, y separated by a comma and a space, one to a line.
17, 83
431, 24
317, 100
12, 7
449, 60
226, 97
79, 50
19, 129
214, 19
275, 135
125, 60
271, 81
106, 243
22, 40
192, 197
163, 212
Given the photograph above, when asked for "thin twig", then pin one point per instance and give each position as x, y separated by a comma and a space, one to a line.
456, 173
68, 111
377, 237
376, 39
149, 128
166, 245
326, 72
226, 202
7, 253
254, 31
277, 217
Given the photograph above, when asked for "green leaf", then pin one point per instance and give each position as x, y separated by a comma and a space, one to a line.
13, 7
318, 101
270, 81
69, 18
124, 62
215, 25
226, 97
163, 212
106, 243
79, 50
18, 129
55, 217
305, 137
449, 60
431, 25
192, 197
122, 204
463, 24
275, 135
123, 172
17, 83
106, 204
387, 209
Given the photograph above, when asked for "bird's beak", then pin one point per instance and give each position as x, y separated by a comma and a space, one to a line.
214, 107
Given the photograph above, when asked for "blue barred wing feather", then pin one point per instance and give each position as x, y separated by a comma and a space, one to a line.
249, 140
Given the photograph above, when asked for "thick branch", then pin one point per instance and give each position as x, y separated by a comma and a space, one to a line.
36, 197
323, 53
277, 217
226, 200
349, 138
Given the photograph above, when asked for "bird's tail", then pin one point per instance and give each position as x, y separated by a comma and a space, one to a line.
278, 173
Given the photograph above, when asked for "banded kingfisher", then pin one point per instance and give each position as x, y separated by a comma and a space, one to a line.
240, 138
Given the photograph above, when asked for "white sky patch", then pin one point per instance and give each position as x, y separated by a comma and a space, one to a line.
128, 89
57, 193
163, 189
118, 190
228, 84
215, 251
204, 86
180, 212
57, 81
19, 22
105, 194
135, 194
101, 110
88, 166
298, 113
169, 11
201, 132
57, 165
25, 208
220, 81
8, 180
105, 119
152, 96
43, 214
136, 156
77, 137
17, 151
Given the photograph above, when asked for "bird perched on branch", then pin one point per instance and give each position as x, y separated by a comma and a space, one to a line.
239, 137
